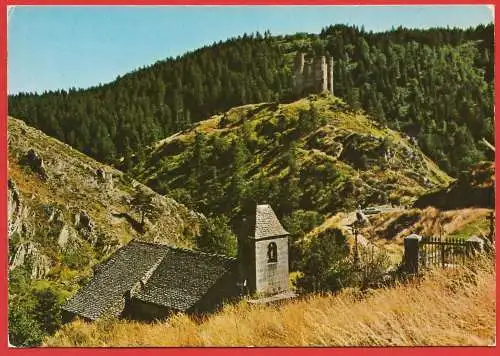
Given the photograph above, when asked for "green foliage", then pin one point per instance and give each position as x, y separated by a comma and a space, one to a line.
237, 184
117, 119
299, 223
326, 267
373, 267
143, 203
24, 330
34, 308
290, 192
217, 237
200, 157
329, 267
79, 259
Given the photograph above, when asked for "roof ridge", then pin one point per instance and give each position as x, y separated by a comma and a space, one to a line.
156, 244
199, 252
185, 249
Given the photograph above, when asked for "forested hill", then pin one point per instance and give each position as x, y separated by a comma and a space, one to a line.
436, 85
314, 154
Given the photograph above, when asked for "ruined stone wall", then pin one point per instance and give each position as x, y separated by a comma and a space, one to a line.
330, 75
313, 75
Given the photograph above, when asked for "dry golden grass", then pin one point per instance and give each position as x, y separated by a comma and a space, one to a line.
431, 222
447, 307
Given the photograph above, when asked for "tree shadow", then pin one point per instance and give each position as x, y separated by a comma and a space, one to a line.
136, 225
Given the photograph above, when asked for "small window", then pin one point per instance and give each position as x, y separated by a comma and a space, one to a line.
272, 252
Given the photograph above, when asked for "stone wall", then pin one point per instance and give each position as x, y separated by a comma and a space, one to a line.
271, 277
313, 74
225, 290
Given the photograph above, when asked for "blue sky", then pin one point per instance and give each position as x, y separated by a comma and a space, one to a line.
52, 47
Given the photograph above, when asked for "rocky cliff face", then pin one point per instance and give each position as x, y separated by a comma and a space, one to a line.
67, 211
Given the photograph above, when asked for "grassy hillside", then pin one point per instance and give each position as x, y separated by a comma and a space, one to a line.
447, 307
66, 213
312, 154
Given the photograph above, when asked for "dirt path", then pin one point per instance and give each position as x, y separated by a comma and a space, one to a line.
348, 218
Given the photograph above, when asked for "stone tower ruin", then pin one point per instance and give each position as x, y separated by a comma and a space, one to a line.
313, 74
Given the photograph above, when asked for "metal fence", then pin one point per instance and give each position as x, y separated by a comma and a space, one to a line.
443, 252
432, 251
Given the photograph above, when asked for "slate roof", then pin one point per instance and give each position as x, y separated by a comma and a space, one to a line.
178, 278
113, 279
266, 223
183, 278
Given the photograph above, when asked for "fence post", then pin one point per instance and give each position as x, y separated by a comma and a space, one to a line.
411, 254
474, 244
443, 259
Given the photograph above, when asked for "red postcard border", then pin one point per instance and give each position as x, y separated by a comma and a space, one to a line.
429, 351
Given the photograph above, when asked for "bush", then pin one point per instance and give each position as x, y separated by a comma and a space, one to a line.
79, 258
298, 224
217, 237
373, 266
23, 329
329, 265
34, 309
326, 266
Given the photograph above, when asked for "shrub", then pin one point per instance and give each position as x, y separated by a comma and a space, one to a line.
217, 237
372, 270
79, 258
329, 265
326, 266
299, 223
34, 309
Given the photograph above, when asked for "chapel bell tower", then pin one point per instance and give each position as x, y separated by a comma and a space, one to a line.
265, 250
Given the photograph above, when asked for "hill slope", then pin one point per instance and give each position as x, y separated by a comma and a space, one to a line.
435, 84
67, 212
312, 154
449, 307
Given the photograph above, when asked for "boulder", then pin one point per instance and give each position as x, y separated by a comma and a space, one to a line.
17, 212
67, 238
29, 256
13, 206
101, 174
83, 221
35, 161
86, 227
55, 215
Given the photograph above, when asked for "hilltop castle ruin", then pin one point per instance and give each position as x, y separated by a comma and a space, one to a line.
312, 74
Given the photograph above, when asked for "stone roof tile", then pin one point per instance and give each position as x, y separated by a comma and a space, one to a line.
175, 278
266, 223
113, 279
184, 277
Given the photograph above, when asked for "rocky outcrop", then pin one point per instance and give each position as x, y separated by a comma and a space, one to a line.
29, 256
17, 212
82, 221
104, 179
61, 205
13, 207
68, 238
85, 226
101, 175
35, 161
